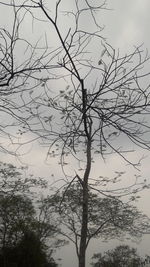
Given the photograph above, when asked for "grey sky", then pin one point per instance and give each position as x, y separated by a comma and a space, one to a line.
126, 25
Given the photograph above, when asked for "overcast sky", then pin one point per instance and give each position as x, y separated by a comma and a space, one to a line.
126, 25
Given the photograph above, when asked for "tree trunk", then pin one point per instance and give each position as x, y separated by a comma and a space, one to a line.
84, 225
82, 250
85, 195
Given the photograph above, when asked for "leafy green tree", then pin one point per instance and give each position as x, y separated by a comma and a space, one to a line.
121, 256
31, 251
25, 236
17, 181
17, 212
16, 215
22, 241
28, 252
108, 217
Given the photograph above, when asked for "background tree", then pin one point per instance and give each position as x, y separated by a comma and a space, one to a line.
108, 217
121, 256
103, 98
25, 238
29, 251
16, 215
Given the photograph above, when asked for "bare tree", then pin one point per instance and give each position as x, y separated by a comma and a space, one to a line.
20, 74
92, 99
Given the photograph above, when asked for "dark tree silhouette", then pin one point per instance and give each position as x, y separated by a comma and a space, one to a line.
29, 252
121, 256
108, 217
25, 236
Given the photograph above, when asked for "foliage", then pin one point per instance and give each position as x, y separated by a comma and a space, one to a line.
17, 181
28, 252
108, 217
121, 256
16, 215
25, 236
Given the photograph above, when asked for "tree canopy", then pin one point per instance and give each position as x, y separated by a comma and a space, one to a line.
23, 230
108, 217
121, 256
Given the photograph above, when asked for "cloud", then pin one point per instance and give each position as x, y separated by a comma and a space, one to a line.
128, 23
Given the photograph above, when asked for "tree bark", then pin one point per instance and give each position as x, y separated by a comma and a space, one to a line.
84, 226
82, 250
